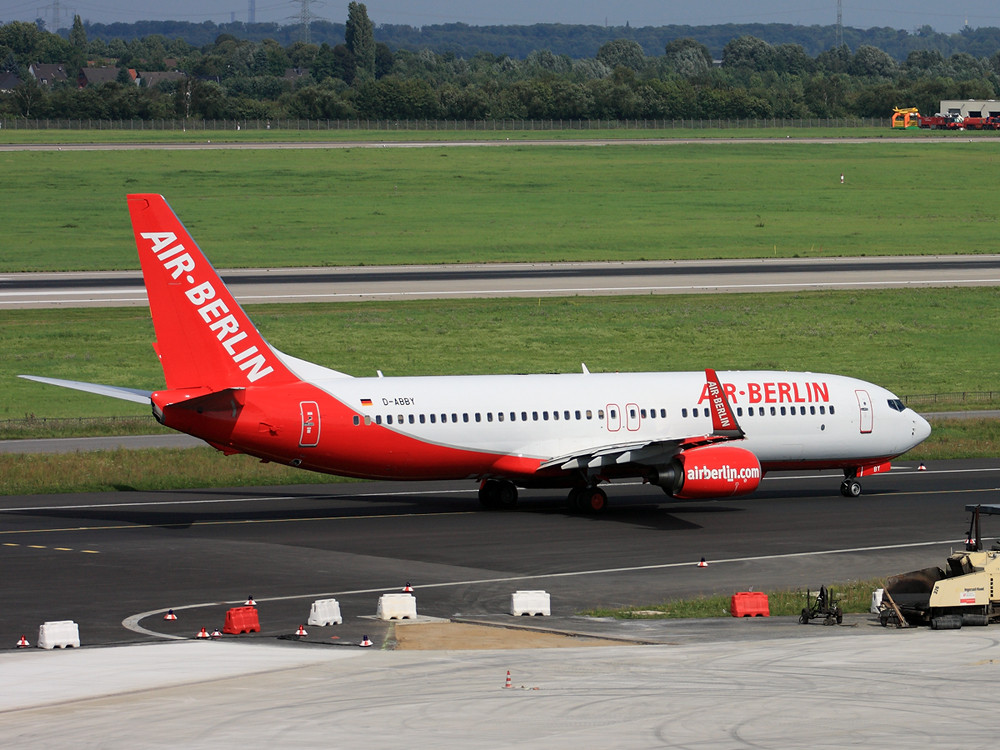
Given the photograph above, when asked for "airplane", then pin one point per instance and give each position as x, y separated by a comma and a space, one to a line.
694, 434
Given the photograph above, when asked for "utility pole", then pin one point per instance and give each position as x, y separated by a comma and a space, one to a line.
305, 17
840, 23
56, 12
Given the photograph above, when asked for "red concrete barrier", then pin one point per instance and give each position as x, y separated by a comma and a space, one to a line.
241, 620
750, 604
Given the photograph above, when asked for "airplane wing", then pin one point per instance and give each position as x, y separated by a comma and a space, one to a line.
657, 452
125, 394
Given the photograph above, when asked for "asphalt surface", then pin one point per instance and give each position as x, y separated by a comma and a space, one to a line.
107, 559
125, 288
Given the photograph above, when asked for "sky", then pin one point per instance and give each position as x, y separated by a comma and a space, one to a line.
909, 15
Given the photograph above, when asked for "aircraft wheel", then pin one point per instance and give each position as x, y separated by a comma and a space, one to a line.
850, 488
507, 495
497, 494
591, 500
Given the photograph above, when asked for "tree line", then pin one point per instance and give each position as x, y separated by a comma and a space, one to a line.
234, 78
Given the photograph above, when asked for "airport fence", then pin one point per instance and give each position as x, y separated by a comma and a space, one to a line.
958, 397
442, 125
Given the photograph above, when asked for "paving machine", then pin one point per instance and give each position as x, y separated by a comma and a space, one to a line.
965, 592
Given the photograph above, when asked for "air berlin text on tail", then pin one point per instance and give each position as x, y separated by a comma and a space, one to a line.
213, 311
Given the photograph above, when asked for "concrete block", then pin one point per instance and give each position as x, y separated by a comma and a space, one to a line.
59, 634
530, 603
325, 612
397, 607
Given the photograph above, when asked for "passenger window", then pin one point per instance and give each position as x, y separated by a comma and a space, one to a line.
782, 411
566, 414
545, 416
600, 414
489, 416
812, 409
422, 420
831, 408
357, 420
378, 419
590, 414
411, 420
534, 416
555, 415
433, 419
614, 414
368, 421
684, 413
465, 417
454, 417
388, 419
739, 411
499, 416
577, 414
524, 416
479, 417
773, 412
822, 410
663, 413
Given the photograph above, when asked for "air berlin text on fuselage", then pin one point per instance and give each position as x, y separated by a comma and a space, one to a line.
771, 393
212, 311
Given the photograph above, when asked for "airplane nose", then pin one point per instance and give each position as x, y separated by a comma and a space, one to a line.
921, 429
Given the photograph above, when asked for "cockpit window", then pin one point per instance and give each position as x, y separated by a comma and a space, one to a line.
896, 405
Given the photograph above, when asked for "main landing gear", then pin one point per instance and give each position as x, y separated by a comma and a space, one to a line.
497, 494
501, 494
590, 499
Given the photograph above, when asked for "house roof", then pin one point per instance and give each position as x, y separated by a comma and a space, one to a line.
94, 76
48, 73
9, 81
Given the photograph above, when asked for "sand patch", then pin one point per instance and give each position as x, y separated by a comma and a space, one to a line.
459, 636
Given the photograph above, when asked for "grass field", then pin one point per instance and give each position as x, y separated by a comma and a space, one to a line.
507, 130
911, 341
266, 208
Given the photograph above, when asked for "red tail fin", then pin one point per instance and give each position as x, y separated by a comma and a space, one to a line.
723, 420
203, 337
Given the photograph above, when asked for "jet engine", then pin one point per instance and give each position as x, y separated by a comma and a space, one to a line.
709, 471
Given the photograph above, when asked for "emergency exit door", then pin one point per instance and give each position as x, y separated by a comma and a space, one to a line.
865, 406
309, 437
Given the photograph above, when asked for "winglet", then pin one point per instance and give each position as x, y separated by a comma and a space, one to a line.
203, 337
723, 419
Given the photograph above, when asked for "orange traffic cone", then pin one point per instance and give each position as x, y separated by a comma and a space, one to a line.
250, 602
407, 589
23, 643
202, 634
703, 564
170, 615
507, 684
921, 467
301, 631
365, 643
216, 633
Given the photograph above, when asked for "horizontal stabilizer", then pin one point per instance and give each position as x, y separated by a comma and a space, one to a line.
114, 391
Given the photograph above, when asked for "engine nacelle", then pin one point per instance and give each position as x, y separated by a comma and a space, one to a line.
710, 471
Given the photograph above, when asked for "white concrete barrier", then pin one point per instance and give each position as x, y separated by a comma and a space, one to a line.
530, 603
397, 607
59, 634
325, 612
876, 601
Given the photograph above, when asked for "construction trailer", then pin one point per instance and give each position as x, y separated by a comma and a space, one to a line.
966, 592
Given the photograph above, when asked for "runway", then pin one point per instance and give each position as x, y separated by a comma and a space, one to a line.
102, 559
283, 285
115, 562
